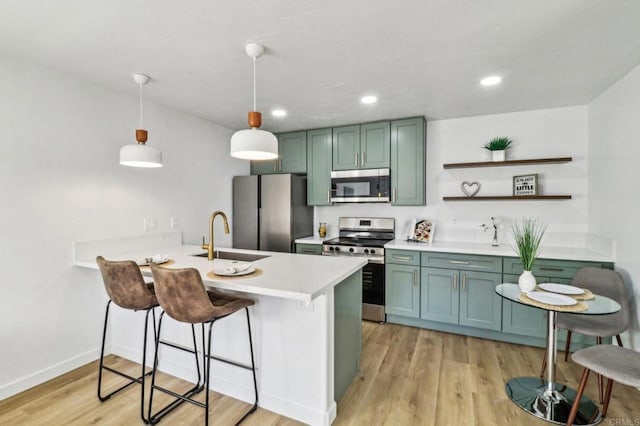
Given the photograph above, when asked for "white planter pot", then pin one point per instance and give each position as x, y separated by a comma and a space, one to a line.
498, 155
526, 282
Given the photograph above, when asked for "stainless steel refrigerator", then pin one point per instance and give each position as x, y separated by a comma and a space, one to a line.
270, 212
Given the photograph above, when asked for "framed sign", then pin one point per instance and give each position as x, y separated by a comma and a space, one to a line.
423, 230
525, 185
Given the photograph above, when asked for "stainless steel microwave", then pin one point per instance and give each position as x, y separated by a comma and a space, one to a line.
360, 186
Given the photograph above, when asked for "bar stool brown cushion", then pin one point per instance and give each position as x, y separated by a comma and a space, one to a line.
183, 297
622, 365
125, 285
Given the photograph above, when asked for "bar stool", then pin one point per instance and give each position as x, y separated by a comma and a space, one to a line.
127, 289
182, 295
613, 362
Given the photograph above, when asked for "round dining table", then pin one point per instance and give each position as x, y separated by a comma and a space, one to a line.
548, 399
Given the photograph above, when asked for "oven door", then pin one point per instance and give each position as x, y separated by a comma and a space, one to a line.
373, 292
360, 186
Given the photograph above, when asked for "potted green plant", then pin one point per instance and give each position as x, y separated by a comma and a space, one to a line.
498, 147
527, 234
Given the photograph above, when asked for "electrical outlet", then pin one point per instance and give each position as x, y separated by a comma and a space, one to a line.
150, 224
174, 223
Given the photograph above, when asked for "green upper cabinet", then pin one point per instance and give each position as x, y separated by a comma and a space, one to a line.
408, 162
375, 145
292, 150
319, 167
346, 148
365, 146
292, 156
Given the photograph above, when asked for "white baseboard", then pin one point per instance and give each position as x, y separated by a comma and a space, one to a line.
41, 376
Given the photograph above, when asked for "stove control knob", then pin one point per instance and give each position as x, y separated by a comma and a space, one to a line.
337, 248
372, 251
330, 248
351, 250
366, 251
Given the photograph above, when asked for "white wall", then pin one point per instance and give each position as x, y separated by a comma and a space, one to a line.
60, 181
614, 205
536, 134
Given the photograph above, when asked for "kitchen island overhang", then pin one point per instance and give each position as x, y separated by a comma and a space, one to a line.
297, 325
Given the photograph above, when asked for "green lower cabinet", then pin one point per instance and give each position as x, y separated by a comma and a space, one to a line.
439, 300
402, 290
315, 249
460, 297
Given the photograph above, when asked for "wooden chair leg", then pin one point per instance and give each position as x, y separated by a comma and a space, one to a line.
576, 403
544, 364
619, 340
607, 397
567, 345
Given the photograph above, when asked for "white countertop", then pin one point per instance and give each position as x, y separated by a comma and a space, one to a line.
314, 239
562, 253
284, 275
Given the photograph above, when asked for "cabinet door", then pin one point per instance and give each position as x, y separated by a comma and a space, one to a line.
402, 290
292, 149
375, 145
319, 167
346, 148
408, 162
439, 295
480, 305
264, 167
521, 319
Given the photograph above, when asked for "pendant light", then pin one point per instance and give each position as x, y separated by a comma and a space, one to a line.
140, 154
253, 143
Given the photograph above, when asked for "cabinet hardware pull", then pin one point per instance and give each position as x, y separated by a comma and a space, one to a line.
460, 262
328, 196
546, 268
363, 155
415, 281
394, 197
398, 257
455, 282
356, 158
464, 282
275, 165
280, 164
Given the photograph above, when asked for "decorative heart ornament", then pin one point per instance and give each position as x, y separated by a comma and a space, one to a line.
470, 188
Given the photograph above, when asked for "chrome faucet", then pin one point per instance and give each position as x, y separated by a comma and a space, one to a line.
209, 247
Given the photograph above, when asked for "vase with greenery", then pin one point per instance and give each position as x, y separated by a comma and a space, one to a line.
527, 234
498, 147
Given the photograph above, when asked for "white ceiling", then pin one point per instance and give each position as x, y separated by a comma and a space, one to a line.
421, 57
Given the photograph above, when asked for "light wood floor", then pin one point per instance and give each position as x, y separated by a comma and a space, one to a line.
408, 377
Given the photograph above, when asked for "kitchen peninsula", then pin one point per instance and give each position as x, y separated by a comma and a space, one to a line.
306, 323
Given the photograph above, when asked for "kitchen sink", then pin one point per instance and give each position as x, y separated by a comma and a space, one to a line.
230, 255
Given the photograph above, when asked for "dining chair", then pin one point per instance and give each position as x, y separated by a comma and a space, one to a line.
603, 282
613, 362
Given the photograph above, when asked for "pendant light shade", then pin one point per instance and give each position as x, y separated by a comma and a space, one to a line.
140, 154
253, 143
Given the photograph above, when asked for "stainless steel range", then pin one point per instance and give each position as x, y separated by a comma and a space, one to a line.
365, 237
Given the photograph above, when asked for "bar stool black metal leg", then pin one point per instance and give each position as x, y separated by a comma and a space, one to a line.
253, 371
144, 361
207, 375
104, 336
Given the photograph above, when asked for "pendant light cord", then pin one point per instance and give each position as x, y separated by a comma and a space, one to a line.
254, 84
141, 106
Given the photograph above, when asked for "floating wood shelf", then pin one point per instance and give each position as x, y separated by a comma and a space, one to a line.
508, 163
509, 197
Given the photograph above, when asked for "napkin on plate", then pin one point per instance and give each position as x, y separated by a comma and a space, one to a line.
238, 267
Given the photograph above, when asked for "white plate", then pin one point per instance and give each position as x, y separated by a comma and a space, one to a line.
227, 273
561, 288
551, 298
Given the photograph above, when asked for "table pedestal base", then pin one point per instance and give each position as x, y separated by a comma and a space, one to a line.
531, 394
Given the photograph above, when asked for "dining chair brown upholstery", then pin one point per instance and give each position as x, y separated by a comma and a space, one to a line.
183, 296
603, 282
127, 289
613, 362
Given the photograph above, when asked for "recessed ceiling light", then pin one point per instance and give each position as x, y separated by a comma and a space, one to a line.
369, 99
279, 113
491, 80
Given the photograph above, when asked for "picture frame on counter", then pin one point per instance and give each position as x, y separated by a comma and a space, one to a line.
423, 230
525, 185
